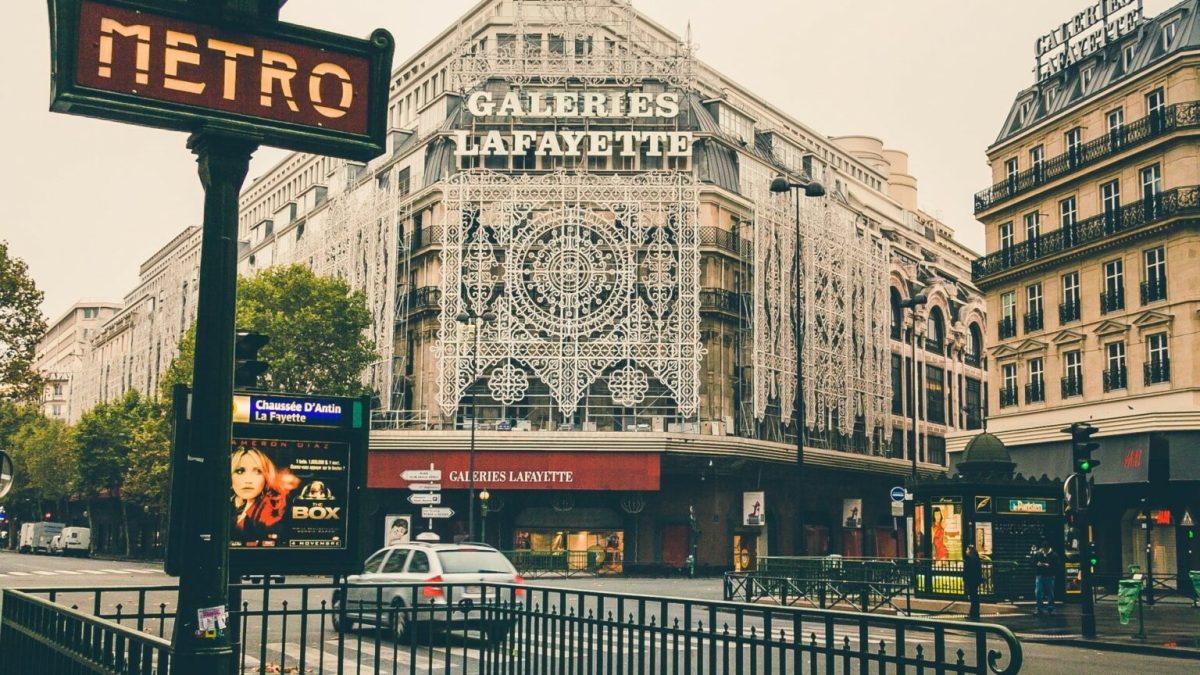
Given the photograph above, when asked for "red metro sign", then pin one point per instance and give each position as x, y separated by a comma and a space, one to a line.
171, 67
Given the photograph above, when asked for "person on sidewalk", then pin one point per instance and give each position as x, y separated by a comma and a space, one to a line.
1045, 568
972, 577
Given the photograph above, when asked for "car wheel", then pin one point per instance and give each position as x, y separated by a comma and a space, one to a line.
401, 620
341, 623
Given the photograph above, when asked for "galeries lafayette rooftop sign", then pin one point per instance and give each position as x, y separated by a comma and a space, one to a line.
1085, 33
173, 66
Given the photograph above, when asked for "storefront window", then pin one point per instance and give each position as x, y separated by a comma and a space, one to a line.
599, 551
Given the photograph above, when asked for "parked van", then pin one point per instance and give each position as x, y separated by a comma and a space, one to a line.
37, 537
72, 541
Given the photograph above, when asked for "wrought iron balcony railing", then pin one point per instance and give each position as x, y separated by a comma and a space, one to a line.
1171, 118
1115, 378
1177, 202
972, 359
1154, 290
1008, 397
1068, 312
1008, 327
1035, 392
719, 300
1033, 321
1112, 301
1157, 370
1072, 386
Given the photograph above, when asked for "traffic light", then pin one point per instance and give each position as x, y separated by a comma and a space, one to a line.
247, 367
1081, 447
1092, 558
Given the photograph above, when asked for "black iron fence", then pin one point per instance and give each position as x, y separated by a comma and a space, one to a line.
430, 626
40, 636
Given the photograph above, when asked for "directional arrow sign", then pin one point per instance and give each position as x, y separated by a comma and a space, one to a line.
421, 474
425, 487
436, 512
430, 498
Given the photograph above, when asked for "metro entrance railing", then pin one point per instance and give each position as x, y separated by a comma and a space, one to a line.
493, 628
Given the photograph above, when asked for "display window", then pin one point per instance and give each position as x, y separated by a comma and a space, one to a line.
597, 551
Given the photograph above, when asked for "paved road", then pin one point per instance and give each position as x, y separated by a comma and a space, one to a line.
44, 571
321, 644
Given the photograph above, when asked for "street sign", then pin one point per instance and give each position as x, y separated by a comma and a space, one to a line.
179, 66
426, 498
425, 487
436, 512
421, 474
898, 509
897, 494
1187, 520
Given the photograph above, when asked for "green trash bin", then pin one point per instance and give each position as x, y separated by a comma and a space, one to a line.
1194, 575
1128, 592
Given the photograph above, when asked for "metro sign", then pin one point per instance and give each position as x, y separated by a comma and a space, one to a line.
176, 67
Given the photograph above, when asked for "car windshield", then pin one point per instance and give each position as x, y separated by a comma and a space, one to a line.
478, 561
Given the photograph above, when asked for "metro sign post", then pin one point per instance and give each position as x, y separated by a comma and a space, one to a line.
232, 75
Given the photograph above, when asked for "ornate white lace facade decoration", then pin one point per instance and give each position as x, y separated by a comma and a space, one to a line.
608, 44
585, 273
844, 309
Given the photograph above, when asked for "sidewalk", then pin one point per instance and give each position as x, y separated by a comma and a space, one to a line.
1172, 627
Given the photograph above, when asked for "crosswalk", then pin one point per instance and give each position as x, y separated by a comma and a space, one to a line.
124, 571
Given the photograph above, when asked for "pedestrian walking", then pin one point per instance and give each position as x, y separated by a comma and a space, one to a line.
972, 578
1046, 570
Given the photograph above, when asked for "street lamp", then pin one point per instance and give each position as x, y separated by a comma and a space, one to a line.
811, 189
475, 321
911, 304
484, 496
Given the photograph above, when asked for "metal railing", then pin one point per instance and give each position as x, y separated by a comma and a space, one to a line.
400, 419
1171, 118
544, 563
1072, 386
1068, 312
1157, 370
1007, 327
719, 300
1112, 301
509, 628
1035, 392
40, 636
1033, 321
1115, 378
1177, 202
1154, 290
1008, 397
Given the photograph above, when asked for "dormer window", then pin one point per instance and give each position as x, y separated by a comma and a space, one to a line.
1085, 77
1127, 58
1168, 34
1048, 97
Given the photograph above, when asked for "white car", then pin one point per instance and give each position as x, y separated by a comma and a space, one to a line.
458, 601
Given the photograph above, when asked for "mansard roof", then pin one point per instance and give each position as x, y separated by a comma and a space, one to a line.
1107, 70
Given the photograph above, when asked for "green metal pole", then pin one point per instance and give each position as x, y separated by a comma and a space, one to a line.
204, 578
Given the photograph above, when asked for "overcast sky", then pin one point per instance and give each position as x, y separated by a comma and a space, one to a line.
87, 201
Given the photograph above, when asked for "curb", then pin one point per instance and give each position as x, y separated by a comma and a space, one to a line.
1124, 647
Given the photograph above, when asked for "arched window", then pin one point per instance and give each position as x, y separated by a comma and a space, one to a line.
935, 336
896, 316
975, 346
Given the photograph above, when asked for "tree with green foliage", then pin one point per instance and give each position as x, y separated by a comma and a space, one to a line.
318, 329
21, 327
44, 450
106, 440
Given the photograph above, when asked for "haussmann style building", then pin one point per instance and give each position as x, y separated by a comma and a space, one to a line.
1091, 278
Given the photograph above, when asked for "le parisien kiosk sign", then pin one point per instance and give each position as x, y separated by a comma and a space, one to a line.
172, 67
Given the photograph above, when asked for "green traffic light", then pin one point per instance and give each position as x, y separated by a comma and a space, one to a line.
1085, 465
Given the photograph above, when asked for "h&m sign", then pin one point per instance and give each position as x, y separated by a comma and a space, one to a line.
176, 67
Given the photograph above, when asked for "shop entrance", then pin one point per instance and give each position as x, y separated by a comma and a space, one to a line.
675, 544
579, 540
745, 552
1161, 553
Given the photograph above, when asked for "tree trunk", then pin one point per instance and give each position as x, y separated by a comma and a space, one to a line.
91, 518
125, 527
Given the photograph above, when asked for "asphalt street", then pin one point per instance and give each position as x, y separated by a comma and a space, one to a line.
76, 579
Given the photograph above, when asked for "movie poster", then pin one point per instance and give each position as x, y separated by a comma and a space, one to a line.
288, 494
396, 529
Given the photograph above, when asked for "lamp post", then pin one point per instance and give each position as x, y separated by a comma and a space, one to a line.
484, 496
911, 304
476, 321
811, 189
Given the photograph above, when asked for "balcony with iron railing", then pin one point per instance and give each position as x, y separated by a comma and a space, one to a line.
972, 358
1035, 392
1072, 386
1112, 301
1008, 396
1181, 201
1153, 290
1033, 321
1068, 312
1157, 371
1169, 119
1115, 378
719, 300
1007, 327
